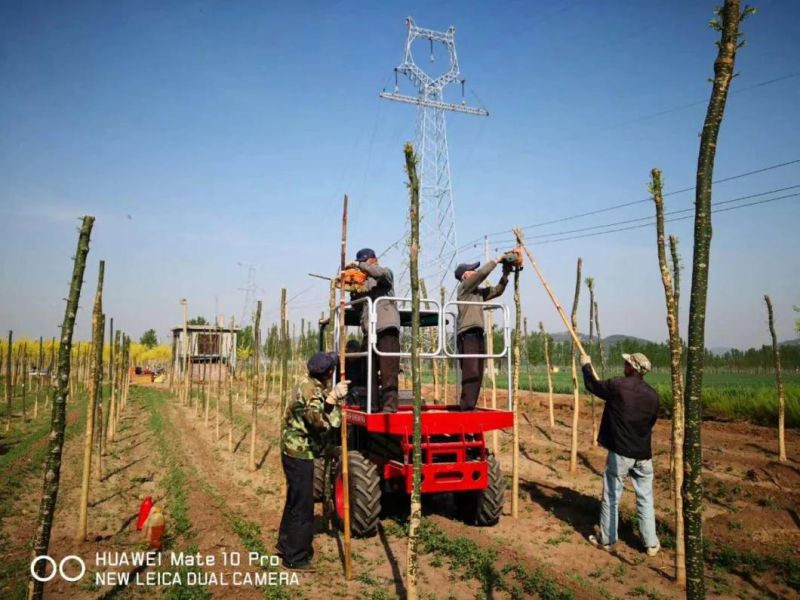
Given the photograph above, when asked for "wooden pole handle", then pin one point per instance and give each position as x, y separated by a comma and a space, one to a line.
575, 339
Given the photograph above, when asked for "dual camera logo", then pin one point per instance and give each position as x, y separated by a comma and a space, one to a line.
58, 568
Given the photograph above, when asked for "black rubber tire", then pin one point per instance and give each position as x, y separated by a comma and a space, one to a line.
484, 508
319, 479
365, 495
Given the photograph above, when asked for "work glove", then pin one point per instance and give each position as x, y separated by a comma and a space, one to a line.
338, 393
585, 360
353, 264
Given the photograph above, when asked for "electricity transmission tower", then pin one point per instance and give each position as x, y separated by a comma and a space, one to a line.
249, 293
438, 247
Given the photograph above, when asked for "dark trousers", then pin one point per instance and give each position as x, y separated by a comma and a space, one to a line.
297, 524
471, 342
385, 370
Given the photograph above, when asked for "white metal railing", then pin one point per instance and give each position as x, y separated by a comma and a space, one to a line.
442, 351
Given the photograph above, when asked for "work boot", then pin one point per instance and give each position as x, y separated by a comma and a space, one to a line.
303, 566
653, 550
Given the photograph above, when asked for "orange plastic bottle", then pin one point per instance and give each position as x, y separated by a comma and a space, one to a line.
154, 531
144, 512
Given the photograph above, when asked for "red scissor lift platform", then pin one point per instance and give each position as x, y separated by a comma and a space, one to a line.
454, 456
453, 446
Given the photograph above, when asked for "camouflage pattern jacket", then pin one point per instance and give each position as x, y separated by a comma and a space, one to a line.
308, 420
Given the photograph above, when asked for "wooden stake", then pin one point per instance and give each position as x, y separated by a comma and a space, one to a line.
548, 366
91, 403
254, 409
490, 349
515, 400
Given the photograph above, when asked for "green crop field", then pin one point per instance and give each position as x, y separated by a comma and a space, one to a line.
742, 396
728, 396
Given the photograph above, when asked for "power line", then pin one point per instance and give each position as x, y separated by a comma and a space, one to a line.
726, 209
681, 107
672, 212
627, 204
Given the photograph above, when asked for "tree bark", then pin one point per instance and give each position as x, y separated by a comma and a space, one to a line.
693, 455
573, 452
52, 470
415, 518
91, 403
671, 293
778, 381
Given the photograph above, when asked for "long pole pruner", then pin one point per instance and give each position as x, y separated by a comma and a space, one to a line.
575, 339
342, 344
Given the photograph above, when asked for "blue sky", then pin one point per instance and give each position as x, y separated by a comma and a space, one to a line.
203, 134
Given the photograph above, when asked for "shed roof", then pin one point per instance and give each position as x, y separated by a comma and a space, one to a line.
206, 328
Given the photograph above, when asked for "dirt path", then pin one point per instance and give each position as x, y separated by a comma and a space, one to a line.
216, 506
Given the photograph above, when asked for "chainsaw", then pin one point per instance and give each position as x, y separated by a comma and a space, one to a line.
354, 280
513, 259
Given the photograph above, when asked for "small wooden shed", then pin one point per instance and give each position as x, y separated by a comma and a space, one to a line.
211, 351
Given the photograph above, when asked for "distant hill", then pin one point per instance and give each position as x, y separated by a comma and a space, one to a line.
794, 342
608, 341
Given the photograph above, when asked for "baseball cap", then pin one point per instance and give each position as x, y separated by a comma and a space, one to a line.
365, 254
464, 267
638, 361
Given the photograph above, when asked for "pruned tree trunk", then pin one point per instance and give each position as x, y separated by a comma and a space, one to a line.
91, 402
573, 451
601, 348
39, 370
254, 406
730, 16
549, 367
778, 381
284, 350
590, 285
415, 518
229, 381
52, 470
515, 397
671, 282
25, 384
9, 382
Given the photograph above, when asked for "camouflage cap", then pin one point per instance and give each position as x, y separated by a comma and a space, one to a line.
638, 361
321, 363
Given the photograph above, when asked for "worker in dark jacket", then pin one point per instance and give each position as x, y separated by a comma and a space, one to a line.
469, 324
309, 417
625, 431
380, 283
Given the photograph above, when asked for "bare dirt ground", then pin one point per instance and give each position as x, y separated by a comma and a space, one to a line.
215, 505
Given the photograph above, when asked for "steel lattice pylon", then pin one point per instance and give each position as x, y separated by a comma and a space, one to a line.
438, 247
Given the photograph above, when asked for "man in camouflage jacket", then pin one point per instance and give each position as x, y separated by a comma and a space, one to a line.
309, 417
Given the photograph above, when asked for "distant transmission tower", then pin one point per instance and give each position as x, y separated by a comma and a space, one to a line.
438, 247
249, 293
